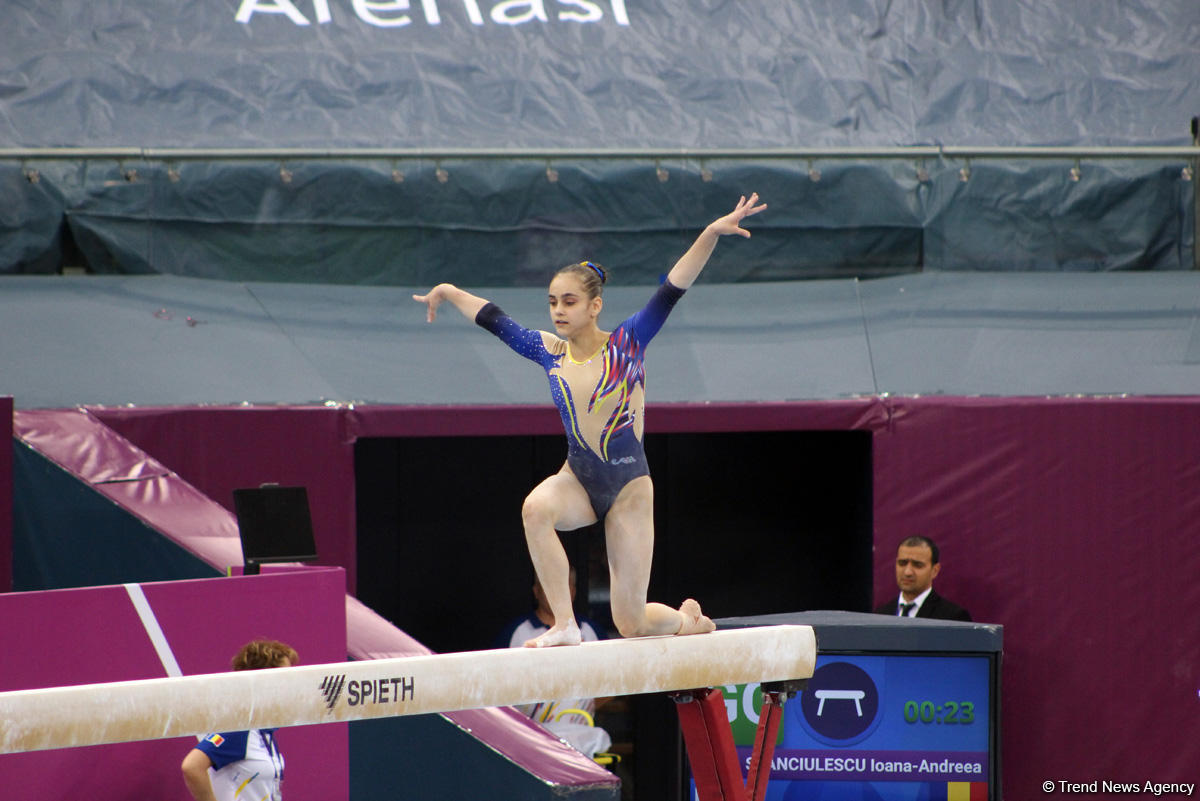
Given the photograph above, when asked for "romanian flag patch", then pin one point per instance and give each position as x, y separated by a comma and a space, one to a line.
216, 740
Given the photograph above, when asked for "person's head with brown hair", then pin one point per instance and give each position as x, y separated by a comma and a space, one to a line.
592, 277
259, 654
575, 302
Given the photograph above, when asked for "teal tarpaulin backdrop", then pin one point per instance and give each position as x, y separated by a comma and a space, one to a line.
531, 94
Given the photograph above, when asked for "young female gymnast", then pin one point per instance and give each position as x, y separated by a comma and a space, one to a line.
597, 381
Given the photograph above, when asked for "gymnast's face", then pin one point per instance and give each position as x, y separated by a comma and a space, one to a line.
571, 310
915, 570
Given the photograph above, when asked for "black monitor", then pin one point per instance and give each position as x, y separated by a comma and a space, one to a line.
275, 525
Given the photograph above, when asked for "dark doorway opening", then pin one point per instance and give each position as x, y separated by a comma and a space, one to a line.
749, 523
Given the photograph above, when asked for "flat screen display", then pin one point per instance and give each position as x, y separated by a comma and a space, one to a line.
879, 727
275, 524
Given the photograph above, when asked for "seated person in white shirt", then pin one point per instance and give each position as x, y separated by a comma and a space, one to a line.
576, 729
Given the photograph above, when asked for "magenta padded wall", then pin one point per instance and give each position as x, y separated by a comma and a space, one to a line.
6, 488
94, 634
1071, 521
220, 449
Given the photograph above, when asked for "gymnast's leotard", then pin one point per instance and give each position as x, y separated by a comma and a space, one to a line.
604, 435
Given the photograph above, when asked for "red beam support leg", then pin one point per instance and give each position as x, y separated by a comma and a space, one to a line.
764, 744
709, 740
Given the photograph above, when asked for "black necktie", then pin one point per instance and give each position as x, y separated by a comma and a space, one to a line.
905, 609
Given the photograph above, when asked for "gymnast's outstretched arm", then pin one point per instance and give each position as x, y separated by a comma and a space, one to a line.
462, 300
691, 263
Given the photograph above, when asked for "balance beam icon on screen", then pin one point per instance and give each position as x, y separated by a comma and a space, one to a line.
840, 695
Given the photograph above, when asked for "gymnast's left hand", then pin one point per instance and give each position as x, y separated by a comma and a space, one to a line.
731, 223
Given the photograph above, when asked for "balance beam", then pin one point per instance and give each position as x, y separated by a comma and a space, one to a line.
149, 709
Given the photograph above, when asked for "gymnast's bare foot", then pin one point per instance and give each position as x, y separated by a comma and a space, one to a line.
694, 621
566, 634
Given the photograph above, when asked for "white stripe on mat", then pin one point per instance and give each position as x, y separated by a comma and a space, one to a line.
153, 630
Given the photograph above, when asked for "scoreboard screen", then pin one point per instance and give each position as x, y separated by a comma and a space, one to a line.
884, 727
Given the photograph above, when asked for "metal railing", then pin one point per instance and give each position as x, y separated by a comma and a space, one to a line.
699, 154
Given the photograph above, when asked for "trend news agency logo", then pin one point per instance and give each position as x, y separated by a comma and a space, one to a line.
840, 705
331, 688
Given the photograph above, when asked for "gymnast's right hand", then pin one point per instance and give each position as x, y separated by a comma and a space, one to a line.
433, 300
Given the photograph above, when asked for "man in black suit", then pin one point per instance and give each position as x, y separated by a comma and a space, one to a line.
916, 567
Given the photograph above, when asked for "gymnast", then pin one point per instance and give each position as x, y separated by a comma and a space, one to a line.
597, 380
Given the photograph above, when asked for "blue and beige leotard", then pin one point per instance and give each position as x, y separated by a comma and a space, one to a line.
601, 400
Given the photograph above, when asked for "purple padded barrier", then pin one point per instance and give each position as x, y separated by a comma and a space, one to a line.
248, 446
79, 442
6, 485
76, 441
94, 634
1071, 521
83, 446
1074, 522
661, 418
